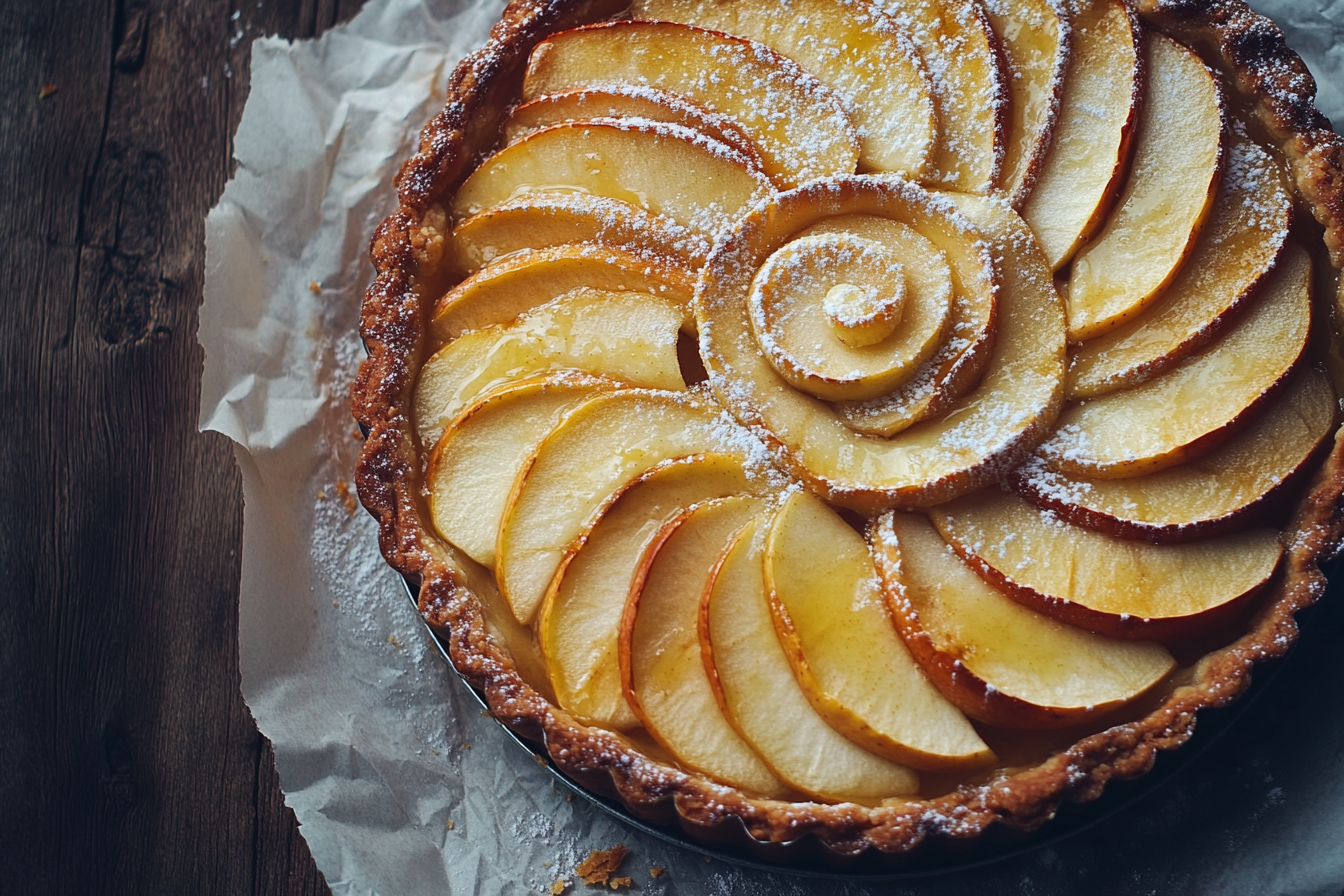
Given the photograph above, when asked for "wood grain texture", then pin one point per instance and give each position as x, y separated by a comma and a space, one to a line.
130, 763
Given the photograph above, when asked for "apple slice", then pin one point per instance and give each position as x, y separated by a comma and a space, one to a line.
628, 101
1204, 497
1084, 166
580, 616
1128, 589
800, 127
964, 346
1218, 391
1035, 41
1172, 180
845, 652
664, 674
989, 429
969, 90
998, 661
501, 292
754, 685
535, 221
626, 336
1237, 249
573, 476
662, 168
849, 46
471, 471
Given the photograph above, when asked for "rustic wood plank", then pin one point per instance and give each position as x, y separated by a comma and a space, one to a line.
131, 763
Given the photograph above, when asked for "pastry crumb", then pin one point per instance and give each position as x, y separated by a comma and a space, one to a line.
656, 871
617, 882
314, 287
601, 864
335, 603
451, 824
394, 641
559, 886
46, 91
343, 489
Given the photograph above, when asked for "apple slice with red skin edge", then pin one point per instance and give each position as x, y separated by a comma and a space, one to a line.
536, 221
998, 661
799, 127
625, 336
570, 480
754, 685
471, 472
845, 652
1172, 180
1084, 168
851, 47
1238, 248
1213, 494
665, 169
501, 292
1219, 391
662, 671
580, 619
1034, 35
628, 101
970, 93
1116, 587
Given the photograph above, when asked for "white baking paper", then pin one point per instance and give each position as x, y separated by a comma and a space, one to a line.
399, 784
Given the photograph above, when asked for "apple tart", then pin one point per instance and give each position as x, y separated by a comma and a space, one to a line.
874, 421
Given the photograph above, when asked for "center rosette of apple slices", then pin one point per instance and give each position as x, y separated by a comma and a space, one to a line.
836, 316
901, 347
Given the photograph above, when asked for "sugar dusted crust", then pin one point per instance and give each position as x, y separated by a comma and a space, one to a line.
408, 254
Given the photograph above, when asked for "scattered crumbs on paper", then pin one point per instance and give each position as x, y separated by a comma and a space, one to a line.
451, 824
46, 91
547, 864
601, 864
656, 871
569, 797
466, 745
343, 489
394, 641
314, 287
335, 603
322, 495
617, 882
559, 886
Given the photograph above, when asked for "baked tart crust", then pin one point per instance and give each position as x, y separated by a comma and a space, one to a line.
414, 266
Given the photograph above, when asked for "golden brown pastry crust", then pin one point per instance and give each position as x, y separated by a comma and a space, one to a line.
407, 252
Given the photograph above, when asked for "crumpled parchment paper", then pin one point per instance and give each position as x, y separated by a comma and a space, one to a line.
399, 783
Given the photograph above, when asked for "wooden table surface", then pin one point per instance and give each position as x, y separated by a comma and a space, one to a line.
128, 760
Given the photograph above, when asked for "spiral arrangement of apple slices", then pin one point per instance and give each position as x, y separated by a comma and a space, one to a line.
1014, 283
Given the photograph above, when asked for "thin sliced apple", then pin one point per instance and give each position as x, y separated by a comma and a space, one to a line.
1084, 167
986, 430
997, 660
579, 624
661, 665
626, 336
813, 297
1177, 154
501, 292
754, 685
839, 637
662, 168
1127, 589
1237, 249
535, 221
965, 342
1217, 492
800, 128
852, 48
1200, 404
628, 101
1035, 40
969, 91
472, 470
573, 476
